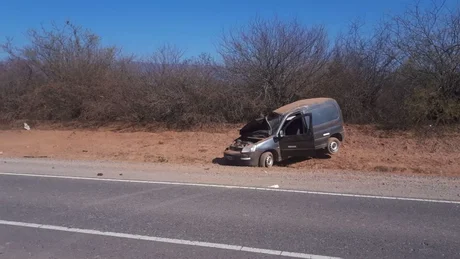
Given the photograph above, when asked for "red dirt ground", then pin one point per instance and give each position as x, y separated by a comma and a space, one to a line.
365, 148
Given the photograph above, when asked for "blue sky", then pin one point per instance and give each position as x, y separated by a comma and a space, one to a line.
140, 27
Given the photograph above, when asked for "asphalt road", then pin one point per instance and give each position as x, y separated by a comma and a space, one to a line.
77, 218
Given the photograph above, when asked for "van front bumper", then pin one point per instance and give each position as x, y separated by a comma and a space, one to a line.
244, 159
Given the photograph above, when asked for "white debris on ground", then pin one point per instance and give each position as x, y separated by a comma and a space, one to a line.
26, 126
276, 186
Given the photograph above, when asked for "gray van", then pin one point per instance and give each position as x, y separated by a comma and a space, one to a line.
294, 130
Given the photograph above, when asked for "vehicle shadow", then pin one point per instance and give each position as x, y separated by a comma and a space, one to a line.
219, 161
295, 160
322, 155
289, 161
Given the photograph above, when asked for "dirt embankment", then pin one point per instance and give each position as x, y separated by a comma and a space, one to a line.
365, 148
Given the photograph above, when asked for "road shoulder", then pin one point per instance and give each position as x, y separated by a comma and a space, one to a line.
392, 185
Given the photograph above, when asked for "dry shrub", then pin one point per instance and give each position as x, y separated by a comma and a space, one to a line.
404, 74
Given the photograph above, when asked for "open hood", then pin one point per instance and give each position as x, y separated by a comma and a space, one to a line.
263, 126
259, 125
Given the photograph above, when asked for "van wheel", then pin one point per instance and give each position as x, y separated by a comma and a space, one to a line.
266, 160
333, 146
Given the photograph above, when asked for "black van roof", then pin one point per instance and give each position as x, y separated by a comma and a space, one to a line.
301, 103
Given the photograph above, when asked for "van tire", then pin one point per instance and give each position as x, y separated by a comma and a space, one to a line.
333, 146
266, 159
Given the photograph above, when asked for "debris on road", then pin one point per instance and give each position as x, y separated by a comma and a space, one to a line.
99, 174
26, 126
276, 186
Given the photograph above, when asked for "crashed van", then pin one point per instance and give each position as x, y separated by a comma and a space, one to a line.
297, 129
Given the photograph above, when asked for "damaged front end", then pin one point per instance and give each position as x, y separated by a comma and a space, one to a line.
241, 145
244, 150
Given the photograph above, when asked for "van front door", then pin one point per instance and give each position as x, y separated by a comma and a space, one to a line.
296, 136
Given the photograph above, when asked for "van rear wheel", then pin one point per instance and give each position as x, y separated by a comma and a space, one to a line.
333, 146
266, 160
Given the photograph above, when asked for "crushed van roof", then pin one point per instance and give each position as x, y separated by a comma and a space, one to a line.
304, 102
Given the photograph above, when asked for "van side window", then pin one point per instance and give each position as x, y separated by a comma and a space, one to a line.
324, 114
294, 126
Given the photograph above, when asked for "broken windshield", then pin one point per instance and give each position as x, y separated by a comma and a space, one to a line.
274, 119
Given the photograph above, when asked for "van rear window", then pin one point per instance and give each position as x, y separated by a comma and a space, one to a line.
324, 114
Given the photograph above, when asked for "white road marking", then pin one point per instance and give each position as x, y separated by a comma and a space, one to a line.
235, 187
165, 240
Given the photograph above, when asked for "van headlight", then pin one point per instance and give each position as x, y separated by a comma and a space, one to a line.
249, 148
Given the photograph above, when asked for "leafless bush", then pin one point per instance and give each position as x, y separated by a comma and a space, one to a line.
68, 66
276, 62
405, 73
171, 89
359, 70
428, 41
65, 54
16, 80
